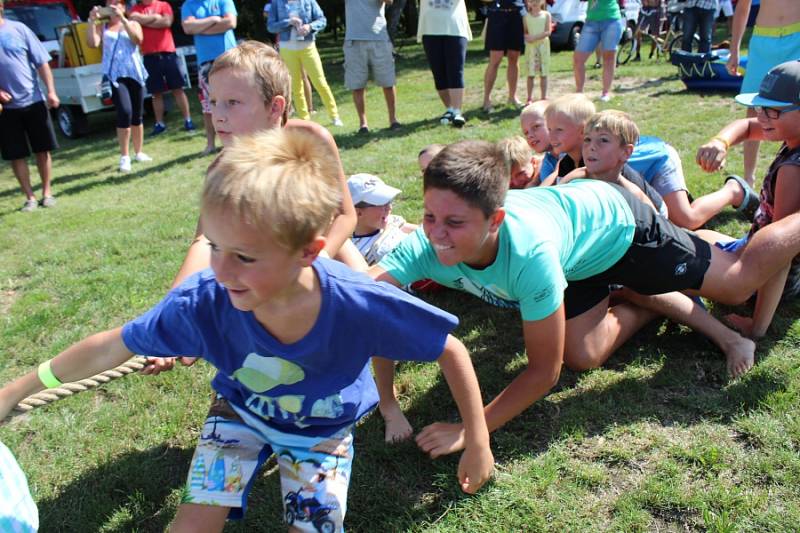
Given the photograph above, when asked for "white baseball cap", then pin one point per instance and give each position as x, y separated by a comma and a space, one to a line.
369, 189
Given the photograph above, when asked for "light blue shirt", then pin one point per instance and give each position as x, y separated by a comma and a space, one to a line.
21, 53
18, 513
121, 58
210, 47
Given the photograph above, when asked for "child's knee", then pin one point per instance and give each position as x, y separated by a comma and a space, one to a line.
193, 518
580, 357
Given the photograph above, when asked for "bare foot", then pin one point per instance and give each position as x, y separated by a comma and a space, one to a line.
744, 324
397, 427
740, 356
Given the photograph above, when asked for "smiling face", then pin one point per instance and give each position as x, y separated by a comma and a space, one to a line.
785, 128
237, 105
604, 154
458, 231
566, 135
254, 269
372, 218
534, 127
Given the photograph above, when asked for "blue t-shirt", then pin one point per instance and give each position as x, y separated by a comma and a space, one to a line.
210, 47
648, 157
21, 53
548, 165
550, 235
315, 386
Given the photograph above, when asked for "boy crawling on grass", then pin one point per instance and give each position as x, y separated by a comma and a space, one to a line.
290, 333
552, 252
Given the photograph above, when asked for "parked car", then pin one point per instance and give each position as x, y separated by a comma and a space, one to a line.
569, 16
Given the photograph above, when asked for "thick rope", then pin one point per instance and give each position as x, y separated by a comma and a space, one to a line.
39, 399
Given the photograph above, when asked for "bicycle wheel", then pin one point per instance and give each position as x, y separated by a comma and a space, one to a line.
677, 42
627, 50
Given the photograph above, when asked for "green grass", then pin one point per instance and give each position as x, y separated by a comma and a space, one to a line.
657, 440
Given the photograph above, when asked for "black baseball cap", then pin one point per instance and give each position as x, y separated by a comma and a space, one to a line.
779, 88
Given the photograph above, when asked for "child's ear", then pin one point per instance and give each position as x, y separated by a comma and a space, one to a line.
311, 250
496, 219
276, 108
628, 150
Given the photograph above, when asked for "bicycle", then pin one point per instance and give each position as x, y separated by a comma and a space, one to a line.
668, 39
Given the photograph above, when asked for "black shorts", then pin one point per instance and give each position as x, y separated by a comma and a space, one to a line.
24, 125
662, 258
163, 72
504, 31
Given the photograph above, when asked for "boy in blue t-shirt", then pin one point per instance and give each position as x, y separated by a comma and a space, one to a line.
291, 335
552, 252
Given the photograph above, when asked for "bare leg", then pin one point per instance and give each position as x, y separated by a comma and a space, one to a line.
444, 96
597, 333
23, 175
750, 149
183, 103
123, 138
390, 95
739, 351
543, 87
579, 69
358, 100
512, 76
196, 518
456, 98
158, 107
489, 77
695, 214
530, 89
609, 66
45, 165
137, 135
208, 123
397, 425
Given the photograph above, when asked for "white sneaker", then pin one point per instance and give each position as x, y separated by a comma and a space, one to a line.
141, 157
337, 122
124, 163
605, 98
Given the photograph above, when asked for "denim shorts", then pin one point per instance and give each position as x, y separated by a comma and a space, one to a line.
607, 32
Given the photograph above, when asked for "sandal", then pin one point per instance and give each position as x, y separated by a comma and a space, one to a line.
750, 202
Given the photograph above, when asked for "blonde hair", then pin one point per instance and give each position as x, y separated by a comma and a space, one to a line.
539, 107
576, 106
515, 151
282, 181
269, 71
618, 123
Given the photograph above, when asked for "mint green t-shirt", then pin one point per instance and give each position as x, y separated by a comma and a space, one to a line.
550, 235
603, 10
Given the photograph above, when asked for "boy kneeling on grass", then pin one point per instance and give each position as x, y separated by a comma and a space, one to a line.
553, 252
290, 333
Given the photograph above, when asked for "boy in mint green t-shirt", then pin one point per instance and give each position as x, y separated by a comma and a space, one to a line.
552, 252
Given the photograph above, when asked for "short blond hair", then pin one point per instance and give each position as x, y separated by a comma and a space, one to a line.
618, 123
534, 108
282, 181
264, 62
431, 150
516, 151
576, 106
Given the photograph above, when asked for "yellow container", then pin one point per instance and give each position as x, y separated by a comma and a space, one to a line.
76, 47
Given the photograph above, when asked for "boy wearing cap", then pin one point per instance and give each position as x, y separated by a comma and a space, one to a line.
377, 230
777, 108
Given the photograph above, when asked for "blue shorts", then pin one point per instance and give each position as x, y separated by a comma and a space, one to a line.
163, 72
315, 471
607, 32
734, 246
766, 52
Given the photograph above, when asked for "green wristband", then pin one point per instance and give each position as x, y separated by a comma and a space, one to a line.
46, 376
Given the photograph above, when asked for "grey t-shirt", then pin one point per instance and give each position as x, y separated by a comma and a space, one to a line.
365, 21
21, 53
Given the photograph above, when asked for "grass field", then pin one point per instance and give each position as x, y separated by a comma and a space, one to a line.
658, 440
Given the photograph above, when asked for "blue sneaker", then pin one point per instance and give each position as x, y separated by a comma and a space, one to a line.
158, 129
188, 125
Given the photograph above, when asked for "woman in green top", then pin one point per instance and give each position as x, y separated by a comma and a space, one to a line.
604, 25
